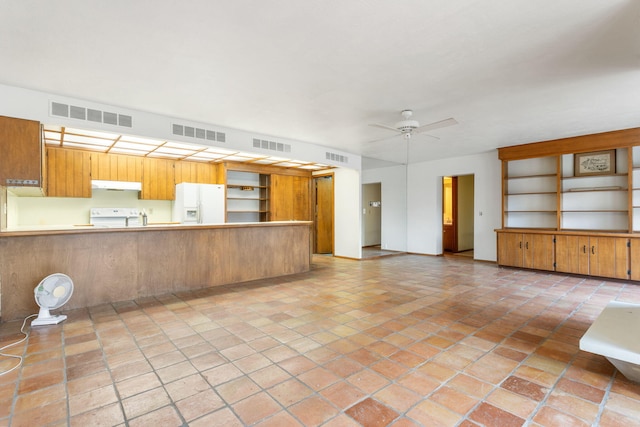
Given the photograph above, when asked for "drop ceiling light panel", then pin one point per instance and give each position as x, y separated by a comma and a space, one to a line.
139, 146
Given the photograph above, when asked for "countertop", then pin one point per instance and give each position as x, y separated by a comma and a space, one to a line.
88, 228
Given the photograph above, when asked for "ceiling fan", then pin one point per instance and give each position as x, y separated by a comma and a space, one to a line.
408, 127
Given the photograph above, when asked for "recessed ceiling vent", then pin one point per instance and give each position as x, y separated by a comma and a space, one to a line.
337, 157
59, 109
198, 133
271, 145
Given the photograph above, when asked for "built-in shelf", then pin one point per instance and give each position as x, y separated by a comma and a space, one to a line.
541, 175
544, 201
530, 193
247, 196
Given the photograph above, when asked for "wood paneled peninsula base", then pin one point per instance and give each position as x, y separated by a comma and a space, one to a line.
110, 265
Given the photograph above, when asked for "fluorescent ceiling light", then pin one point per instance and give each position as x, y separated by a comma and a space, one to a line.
120, 150
132, 146
104, 135
106, 142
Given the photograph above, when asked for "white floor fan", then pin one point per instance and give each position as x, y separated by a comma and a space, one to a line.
51, 293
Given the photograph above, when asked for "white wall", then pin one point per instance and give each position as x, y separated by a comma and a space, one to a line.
347, 213
35, 105
425, 203
394, 205
416, 226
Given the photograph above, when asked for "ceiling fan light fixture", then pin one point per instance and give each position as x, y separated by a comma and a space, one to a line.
407, 125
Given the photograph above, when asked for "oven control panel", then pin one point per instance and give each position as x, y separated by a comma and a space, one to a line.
114, 212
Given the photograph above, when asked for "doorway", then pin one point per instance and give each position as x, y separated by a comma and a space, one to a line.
457, 213
323, 214
371, 215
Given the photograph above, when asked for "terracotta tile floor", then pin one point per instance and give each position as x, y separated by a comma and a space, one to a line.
404, 340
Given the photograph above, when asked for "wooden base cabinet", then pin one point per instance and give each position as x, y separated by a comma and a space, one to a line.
526, 250
609, 257
572, 254
602, 256
634, 258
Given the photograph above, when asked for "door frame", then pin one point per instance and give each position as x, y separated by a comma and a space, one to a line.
456, 209
454, 212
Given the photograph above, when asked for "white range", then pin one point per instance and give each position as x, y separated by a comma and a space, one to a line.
114, 217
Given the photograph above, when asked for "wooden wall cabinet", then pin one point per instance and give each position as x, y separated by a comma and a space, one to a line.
68, 172
116, 167
197, 172
158, 179
21, 153
526, 250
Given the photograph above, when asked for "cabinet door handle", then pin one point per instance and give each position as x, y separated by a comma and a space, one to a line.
584, 249
593, 250
520, 244
526, 245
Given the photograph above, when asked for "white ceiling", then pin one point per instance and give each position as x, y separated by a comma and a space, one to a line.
509, 71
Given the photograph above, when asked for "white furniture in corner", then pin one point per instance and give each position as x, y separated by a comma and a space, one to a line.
614, 335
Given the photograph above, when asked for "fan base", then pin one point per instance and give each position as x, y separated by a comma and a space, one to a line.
51, 320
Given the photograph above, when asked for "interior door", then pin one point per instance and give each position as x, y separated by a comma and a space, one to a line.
323, 233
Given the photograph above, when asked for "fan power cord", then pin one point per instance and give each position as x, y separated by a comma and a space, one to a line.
20, 358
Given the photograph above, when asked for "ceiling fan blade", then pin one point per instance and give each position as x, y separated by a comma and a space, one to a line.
436, 125
383, 139
377, 125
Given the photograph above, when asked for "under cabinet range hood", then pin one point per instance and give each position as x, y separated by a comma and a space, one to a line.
116, 185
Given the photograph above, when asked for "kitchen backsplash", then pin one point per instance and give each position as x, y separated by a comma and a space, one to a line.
38, 211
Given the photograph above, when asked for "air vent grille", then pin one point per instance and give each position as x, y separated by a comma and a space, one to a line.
337, 157
59, 109
271, 145
198, 133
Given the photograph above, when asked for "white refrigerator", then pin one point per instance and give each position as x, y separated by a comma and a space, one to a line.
199, 203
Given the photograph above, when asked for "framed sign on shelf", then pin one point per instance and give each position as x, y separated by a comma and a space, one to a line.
595, 163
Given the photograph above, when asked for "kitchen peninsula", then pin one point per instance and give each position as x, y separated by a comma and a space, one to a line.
118, 264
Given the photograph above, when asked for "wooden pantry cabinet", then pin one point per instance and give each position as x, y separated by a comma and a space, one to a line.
21, 153
290, 198
590, 220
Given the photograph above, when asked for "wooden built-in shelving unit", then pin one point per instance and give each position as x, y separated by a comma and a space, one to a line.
591, 222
